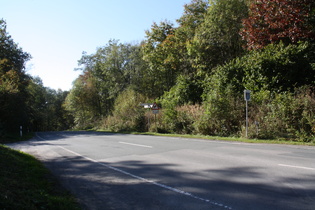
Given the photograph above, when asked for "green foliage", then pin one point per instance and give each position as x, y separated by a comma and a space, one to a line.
161, 56
276, 68
217, 38
223, 112
23, 99
13, 82
106, 74
127, 114
199, 70
287, 115
83, 102
26, 184
186, 91
182, 119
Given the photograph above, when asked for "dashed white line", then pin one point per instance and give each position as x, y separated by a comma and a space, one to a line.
138, 145
300, 167
150, 181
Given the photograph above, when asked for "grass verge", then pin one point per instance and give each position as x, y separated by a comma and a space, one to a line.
26, 184
236, 139
14, 137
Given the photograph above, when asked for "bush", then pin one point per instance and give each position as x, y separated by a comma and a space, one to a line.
128, 115
286, 115
224, 111
276, 68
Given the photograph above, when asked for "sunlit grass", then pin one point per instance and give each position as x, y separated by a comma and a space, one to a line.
26, 184
236, 139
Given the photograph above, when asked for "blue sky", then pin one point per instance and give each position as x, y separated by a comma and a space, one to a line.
56, 32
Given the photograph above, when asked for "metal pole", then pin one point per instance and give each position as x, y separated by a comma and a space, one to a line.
246, 119
155, 122
149, 115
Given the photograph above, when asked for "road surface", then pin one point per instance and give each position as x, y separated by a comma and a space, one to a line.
120, 171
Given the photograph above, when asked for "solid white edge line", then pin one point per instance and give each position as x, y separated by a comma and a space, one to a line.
138, 145
150, 181
300, 167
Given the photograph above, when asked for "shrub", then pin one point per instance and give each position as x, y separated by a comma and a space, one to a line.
283, 115
128, 114
224, 111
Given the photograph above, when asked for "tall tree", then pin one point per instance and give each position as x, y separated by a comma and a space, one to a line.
161, 71
217, 39
13, 82
192, 18
271, 21
105, 75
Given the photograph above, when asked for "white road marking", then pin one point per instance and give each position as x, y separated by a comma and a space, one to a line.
300, 167
150, 181
40, 137
138, 145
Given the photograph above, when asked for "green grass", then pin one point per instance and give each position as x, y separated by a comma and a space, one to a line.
26, 184
14, 137
236, 139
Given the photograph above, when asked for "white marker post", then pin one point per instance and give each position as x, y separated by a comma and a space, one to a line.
247, 98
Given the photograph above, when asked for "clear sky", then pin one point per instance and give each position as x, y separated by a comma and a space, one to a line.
56, 32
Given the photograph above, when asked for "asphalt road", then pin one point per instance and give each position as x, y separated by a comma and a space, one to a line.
118, 171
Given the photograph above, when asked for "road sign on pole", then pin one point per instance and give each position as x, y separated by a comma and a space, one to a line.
155, 111
247, 95
155, 108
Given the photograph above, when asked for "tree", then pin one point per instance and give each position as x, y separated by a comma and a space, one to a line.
272, 21
217, 38
106, 73
162, 72
13, 82
193, 17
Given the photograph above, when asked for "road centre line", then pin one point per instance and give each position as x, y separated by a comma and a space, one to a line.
150, 181
300, 167
139, 145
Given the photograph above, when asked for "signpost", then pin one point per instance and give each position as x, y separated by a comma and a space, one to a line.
247, 98
155, 110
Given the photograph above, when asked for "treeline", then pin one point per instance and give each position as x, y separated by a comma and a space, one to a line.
198, 69
24, 101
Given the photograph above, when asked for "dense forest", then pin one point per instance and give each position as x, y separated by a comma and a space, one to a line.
195, 69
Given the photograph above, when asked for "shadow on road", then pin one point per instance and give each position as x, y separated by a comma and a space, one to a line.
141, 185
100, 187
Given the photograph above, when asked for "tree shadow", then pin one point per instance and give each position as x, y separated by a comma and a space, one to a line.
143, 185
52, 135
